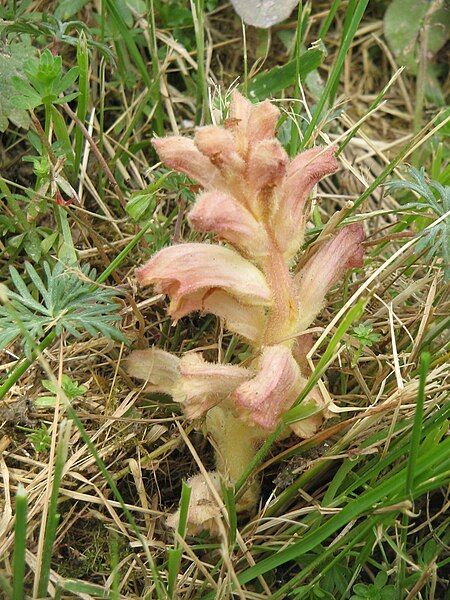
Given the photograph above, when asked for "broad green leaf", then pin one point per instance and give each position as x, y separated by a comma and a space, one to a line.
402, 23
271, 82
12, 60
68, 8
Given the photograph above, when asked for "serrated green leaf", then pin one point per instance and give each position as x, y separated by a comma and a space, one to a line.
45, 401
12, 60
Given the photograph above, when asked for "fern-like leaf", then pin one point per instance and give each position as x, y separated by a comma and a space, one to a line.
59, 299
434, 203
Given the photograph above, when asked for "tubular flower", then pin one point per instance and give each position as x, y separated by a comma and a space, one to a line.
324, 268
203, 385
254, 200
265, 397
189, 272
158, 368
220, 213
303, 173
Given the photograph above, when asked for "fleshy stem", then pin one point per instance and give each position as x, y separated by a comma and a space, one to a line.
237, 442
284, 313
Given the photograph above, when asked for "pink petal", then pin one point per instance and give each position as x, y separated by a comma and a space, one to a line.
262, 121
267, 164
204, 512
218, 212
344, 251
240, 107
247, 321
306, 428
303, 173
218, 145
189, 272
250, 123
237, 122
203, 385
181, 154
263, 399
158, 368
243, 319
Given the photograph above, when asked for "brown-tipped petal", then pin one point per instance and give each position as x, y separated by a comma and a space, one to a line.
262, 121
218, 212
240, 107
158, 368
182, 154
202, 385
263, 399
237, 122
189, 272
204, 512
266, 165
218, 145
324, 268
305, 171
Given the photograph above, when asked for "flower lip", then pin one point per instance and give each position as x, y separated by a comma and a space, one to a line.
160, 369
181, 154
220, 213
188, 272
202, 384
302, 174
342, 252
264, 398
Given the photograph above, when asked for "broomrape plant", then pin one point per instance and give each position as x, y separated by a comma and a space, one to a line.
255, 200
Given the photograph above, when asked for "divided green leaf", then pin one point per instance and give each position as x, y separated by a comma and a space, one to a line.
13, 58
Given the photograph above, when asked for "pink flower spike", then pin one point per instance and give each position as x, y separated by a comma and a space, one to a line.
262, 121
158, 368
218, 212
263, 399
267, 164
189, 272
344, 251
203, 385
303, 173
181, 154
218, 145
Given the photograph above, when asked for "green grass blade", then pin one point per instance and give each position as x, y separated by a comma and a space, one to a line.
382, 494
184, 509
198, 15
330, 16
20, 540
129, 41
52, 515
175, 554
83, 97
337, 67
417, 428
154, 89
